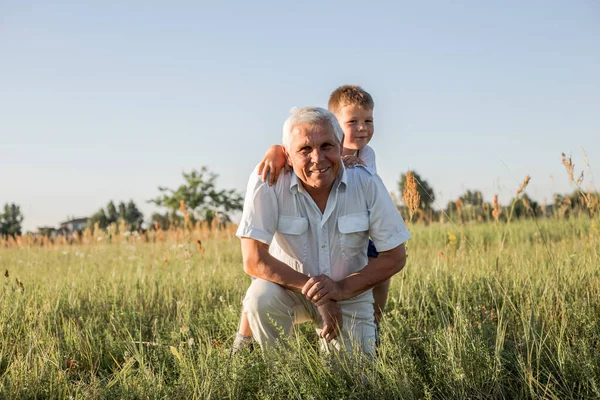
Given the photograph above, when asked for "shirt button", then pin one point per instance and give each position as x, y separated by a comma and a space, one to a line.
323, 246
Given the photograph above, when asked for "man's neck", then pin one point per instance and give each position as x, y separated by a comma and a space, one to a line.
319, 196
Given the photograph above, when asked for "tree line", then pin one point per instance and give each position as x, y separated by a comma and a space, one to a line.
198, 199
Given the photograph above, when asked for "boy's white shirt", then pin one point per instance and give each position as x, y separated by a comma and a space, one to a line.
367, 155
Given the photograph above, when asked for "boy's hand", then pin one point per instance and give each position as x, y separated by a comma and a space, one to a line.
351, 161
272, 164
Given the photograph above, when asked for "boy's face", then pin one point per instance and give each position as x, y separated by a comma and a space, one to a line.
357, 124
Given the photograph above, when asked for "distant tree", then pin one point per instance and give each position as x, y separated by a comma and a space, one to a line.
111, 213
425, 191
100, 218
122, 210
129, 213
451, 208
10, 220
164, 221
472, 197
200, 196
525, 207
45, 231
133, 216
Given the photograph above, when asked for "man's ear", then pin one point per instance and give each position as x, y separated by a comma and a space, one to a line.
287, 156
342, 145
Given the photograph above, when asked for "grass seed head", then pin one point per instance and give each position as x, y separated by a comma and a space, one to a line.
411, 195
523, 185
496, 209
569, 166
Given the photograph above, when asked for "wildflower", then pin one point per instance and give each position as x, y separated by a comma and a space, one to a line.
452, 242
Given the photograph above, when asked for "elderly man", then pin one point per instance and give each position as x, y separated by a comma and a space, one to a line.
305, 239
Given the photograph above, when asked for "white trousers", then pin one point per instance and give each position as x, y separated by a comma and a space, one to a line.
273, 310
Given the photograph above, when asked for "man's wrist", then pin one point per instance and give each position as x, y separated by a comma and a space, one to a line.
342, 288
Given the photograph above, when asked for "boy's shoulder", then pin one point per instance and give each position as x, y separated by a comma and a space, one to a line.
367, 154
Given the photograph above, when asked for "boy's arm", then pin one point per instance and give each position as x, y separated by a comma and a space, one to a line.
352, 161
272, 164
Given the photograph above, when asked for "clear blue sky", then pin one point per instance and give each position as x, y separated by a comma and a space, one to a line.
101, 100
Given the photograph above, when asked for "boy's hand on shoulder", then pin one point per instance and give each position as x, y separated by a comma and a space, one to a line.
272, 165
351, 161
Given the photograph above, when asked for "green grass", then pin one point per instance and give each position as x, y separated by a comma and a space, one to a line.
512, 312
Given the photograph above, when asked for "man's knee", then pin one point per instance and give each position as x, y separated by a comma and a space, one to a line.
263, 296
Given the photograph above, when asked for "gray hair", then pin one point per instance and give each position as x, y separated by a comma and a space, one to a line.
310, 115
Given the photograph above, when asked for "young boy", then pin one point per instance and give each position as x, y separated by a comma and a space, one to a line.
353, 108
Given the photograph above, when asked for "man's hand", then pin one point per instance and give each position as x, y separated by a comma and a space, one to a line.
351, 161
332, 320
321, 289
272, 164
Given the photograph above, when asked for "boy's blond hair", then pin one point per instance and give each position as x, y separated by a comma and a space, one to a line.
349, 95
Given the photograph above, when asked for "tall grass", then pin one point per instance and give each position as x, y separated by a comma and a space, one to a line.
480, 311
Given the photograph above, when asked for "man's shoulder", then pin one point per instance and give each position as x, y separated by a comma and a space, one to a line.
255, 182
359, 175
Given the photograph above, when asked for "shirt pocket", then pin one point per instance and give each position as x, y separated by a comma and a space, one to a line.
354, 233
294, 232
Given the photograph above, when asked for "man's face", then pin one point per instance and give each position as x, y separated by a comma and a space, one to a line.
357, 124
315, 155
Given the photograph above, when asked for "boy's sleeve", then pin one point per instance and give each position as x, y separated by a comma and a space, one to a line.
368, 156
259, 217
386, 226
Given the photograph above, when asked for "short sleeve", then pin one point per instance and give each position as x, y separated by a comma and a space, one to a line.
368, 156
387, 228
259, 216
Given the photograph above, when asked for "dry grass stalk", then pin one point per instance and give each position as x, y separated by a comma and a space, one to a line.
568, 163
411, 195
523, 185
580, 179
544, 207
459, 206
496, 209
186, 214
526, 204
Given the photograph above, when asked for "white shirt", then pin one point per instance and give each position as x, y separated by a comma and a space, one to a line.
333, 243
368, 156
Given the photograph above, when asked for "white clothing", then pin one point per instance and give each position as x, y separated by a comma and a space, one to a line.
272, 309
333, 243
368, 156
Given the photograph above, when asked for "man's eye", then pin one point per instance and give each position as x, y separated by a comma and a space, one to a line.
327, 146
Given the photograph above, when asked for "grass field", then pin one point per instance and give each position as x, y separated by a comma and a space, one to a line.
479, 312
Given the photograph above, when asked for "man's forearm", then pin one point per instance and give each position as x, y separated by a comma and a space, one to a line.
378, 270
260, 264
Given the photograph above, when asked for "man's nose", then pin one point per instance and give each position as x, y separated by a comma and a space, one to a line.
317, 156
